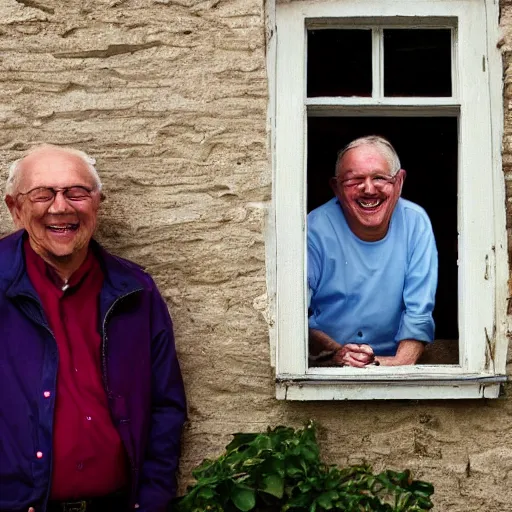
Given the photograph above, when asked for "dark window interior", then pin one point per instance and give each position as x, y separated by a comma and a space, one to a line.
427, 147
417, 62
339, 62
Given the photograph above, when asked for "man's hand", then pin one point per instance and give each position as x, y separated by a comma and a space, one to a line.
350, 354
408, 352
353, 354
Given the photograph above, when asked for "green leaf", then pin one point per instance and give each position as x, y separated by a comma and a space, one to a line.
273, 465
304, 486
274, 485
326, 499
252, 462
294, 471
263, 442
419, 486
206, 493
243, 498
240, 440
309, 453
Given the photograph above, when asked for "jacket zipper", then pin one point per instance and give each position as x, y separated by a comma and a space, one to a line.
104, 346
104, 340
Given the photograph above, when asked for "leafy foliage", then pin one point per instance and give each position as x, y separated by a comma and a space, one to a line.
281, 471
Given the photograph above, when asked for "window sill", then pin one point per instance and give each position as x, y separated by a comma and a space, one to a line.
388, 387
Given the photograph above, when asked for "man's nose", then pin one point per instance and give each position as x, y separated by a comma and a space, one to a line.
59, 204
369, 186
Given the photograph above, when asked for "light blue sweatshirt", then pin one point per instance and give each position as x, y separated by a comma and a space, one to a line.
377, 293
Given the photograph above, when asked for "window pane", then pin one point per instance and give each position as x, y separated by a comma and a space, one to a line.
339, 63
423, 144
417, 62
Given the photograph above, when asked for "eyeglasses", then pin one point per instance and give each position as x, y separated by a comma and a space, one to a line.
379, 181
47, 194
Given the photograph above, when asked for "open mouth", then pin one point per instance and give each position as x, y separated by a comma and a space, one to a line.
62, 228
369, 204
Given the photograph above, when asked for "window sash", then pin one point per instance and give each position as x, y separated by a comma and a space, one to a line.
377, 29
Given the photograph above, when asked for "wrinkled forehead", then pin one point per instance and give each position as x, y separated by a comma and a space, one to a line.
364, 160
53, 168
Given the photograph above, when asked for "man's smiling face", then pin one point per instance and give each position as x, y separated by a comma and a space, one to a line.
59, 229
367, 191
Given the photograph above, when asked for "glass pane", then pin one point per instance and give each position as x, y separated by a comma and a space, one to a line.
339, 63
417, 62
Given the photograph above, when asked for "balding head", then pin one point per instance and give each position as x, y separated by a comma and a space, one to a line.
44, 152
382, 145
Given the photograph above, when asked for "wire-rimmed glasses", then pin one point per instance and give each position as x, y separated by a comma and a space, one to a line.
48, 194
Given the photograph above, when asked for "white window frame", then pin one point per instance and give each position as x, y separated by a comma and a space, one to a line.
483, 262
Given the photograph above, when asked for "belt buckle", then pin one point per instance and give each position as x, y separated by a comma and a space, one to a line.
74, 506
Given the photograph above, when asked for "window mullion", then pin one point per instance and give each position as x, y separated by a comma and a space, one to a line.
377, 63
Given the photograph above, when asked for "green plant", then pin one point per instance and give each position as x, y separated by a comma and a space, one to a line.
281, 471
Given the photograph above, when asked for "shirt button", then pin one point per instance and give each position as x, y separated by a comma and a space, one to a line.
46, 394
88, 418
360, 334
79, 466
39, 455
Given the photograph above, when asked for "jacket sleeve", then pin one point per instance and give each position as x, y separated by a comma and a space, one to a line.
157, 482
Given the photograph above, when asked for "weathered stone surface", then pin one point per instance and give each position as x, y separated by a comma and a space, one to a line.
171, 98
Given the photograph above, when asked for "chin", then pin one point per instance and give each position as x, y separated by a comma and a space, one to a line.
62, 256
372, 223
61, 252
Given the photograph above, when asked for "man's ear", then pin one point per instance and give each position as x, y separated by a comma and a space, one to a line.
11, 204
402, 173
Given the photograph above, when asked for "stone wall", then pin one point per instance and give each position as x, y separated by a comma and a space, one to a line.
171, 98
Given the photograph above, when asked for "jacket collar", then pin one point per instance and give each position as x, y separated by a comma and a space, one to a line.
120, 277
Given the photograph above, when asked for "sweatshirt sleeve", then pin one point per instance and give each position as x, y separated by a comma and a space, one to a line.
420, 284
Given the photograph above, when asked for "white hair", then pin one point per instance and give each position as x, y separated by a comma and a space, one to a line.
376, 141
13, 179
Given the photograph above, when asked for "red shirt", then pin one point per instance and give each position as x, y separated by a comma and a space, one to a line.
88, 455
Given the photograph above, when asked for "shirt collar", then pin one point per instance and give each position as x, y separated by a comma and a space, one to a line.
49, 273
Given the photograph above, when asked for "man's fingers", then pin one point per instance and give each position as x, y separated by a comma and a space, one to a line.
354, 347
353, 354
367, 350
349, 360
353, 358
362, 357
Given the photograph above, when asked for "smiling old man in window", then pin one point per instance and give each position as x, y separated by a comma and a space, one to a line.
372, 264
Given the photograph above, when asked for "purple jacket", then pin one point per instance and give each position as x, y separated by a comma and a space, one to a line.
141, 376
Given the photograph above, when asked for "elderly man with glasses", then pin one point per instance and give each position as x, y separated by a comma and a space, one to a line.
92, 402
372, 265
